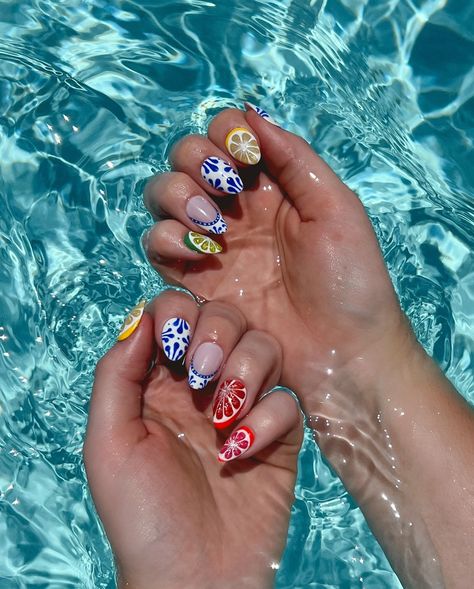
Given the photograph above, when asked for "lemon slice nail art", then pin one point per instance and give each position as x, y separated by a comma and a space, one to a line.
201, 243
132, 321
243, 146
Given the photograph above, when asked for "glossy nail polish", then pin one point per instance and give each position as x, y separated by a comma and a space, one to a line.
207, 360
201, 212
236, 444
243, 146
201, 243
221, 175
230, 399
132, 321
262, 113
175, 337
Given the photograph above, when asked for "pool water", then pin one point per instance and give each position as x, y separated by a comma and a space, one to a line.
92, 95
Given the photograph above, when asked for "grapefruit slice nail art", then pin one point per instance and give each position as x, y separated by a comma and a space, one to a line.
237, 444
228, 403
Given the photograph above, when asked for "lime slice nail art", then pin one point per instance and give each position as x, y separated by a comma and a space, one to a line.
201, 243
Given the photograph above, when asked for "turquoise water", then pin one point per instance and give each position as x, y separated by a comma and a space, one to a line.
92, 95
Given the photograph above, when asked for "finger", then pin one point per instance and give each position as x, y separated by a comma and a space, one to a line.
177, 195
253, 366
231, 132
268, 422
171, 240
306, 179
116, 397
175, 314
220, 326
209, 167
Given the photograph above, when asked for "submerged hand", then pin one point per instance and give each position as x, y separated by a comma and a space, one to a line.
300, 256
176, 516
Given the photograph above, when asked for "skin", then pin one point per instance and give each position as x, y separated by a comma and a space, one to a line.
175, 516
301, 262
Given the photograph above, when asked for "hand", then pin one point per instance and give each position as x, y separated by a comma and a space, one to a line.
176, 516
300, 258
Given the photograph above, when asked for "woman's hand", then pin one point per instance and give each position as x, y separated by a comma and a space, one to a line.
182, 506
300, 257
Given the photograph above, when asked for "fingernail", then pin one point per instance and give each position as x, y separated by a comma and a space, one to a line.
201, 212
236, 444
146, 240
221, 175
205, 364
201, 243
262, 113
175, 336
243, 146
229, 401
132, 321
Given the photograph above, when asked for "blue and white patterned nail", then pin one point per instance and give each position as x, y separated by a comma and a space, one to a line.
262, 113
201, 212
175, 336
205, 364
221, 175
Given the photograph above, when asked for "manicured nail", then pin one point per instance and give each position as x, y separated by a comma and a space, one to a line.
201, 212
205, 364
243, 146
221, 175
175, 336
132, 321
201, 243
262, 113
236, 444
229, 401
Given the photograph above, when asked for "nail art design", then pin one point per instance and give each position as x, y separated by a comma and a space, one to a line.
201, 243
228, 403
243, 146
262, 113
132, 321
205, 365
237, 444
175, 335
201, 212
221, 175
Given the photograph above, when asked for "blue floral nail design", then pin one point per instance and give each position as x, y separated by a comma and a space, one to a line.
221, 175
217, 226
262, 113
198, 381
175, 336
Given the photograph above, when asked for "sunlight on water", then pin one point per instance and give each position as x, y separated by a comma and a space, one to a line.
92, 96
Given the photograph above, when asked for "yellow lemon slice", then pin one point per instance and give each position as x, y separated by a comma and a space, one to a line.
132, 321
201, 243
243, 146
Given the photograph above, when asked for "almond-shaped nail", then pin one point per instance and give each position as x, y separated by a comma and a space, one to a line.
201, 243
262, 113
221, 175
132, 321
236, 444
205, 215
243, 146
175, 337
207, 360
228, 403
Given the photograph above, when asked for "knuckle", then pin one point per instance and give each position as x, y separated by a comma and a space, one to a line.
187, 148
265, 340
173, 298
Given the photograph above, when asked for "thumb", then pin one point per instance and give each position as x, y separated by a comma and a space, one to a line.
307, 180
116, 404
